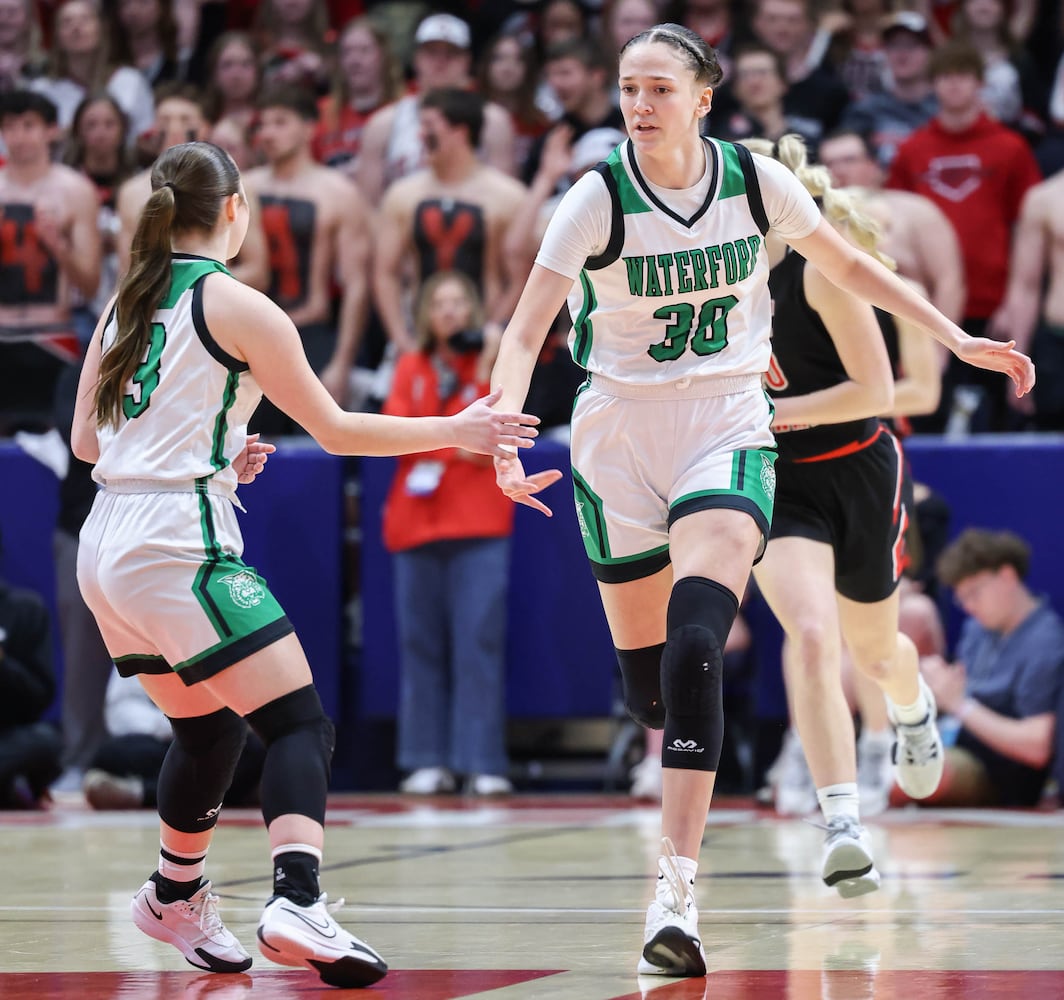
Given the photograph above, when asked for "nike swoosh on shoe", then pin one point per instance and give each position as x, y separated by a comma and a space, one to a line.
322, 929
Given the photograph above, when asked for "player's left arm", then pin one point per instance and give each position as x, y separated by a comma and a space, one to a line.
83, 440
862, 275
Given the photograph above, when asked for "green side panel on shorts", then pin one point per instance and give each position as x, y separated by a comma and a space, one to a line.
184, 274
235, 599
218, 459
732, 183
632, 202
753, 476
591, 519
583, 329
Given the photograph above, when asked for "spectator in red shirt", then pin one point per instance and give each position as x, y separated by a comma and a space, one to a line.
977, 171
449, 528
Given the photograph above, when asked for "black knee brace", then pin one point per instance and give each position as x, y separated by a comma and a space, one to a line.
641, 679
700, 616
198, 768
299, 746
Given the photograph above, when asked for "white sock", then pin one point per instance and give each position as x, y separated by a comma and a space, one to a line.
914, 714
839, 800
878, 737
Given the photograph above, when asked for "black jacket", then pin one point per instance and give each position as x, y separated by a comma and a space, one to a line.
27, 675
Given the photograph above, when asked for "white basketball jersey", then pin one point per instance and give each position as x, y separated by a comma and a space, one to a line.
186, 409
670, 297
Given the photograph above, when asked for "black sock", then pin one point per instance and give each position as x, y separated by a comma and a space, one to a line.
170, 891
295, 876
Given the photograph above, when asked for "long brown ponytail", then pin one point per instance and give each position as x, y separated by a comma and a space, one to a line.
189, 183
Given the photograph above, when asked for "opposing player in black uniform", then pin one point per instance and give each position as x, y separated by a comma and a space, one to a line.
836, 551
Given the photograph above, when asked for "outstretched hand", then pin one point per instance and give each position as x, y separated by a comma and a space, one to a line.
488, 432
511, 479
252, 460
998, 356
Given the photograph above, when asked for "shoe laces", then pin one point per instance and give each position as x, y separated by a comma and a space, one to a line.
839, 826
919, 743
206, 907
670, 871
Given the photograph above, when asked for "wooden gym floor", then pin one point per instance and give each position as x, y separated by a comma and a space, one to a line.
543, 897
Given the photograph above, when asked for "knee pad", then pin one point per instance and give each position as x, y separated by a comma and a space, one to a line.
641, 681
198, 768
700, 615
299, 742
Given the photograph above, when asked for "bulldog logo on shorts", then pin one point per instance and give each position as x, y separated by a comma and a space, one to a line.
245, 591
768, 477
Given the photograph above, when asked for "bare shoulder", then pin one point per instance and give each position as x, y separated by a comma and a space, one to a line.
1046, 195
255, 178
72, 182
502, 184
136, 190
401, 195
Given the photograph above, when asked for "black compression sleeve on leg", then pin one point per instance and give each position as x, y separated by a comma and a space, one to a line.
700, 617
641, 679
198, 768
299, 746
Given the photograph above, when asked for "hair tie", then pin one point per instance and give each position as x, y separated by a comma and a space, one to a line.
775, 151
170, 185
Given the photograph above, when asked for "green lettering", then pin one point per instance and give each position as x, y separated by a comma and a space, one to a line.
635, 274
698, 265
713, 256
742, 255
755, 246
683, 279
665, 263
731, 272
653, 286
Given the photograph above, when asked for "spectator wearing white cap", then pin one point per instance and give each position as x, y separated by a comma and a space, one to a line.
391, 143
909, 103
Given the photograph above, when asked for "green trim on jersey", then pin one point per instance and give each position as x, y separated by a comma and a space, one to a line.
184, 274
584, 332
632, 202
218, 459
753, 476
733, 183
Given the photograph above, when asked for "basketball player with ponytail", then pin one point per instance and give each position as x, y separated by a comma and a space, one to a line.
176, 366
843, 503
660, 253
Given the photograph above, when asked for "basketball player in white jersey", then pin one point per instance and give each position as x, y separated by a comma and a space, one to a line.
173, 372
660, 254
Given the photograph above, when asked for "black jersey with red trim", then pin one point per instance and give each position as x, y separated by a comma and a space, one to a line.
451, 236
289, 225
804, 360
29, 274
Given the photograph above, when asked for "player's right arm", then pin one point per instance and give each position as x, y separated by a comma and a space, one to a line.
250, 327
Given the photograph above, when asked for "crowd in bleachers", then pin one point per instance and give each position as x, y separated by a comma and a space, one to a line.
385, 142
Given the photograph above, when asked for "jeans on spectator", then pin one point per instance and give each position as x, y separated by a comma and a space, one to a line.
87, 665
451, 611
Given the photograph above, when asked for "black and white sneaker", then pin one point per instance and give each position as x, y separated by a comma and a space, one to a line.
848, 864
308, 937
192, 926
671, 944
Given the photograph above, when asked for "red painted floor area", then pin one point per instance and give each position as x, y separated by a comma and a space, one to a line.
413, 984
810, 984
